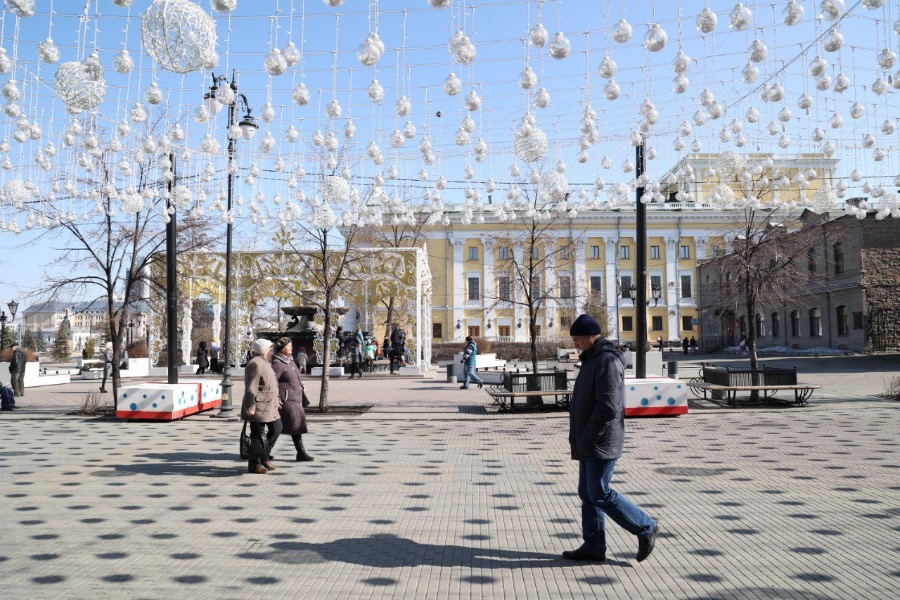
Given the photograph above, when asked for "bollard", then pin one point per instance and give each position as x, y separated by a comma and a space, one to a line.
672, 367
451, 376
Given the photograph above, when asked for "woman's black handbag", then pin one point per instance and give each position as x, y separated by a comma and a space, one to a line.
254, 445
305, 400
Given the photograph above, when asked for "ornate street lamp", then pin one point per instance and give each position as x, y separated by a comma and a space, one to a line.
248, 128
13, 307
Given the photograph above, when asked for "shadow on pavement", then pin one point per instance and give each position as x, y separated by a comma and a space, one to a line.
187, 464
386, 551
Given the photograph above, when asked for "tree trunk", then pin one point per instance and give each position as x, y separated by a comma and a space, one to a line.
751, 343
390, 318
326, 355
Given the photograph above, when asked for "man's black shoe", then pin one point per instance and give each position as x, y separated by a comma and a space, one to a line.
480, 385
646, 543
463, 387
583, 554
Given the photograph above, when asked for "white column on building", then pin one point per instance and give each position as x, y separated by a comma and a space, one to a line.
579, 281
550, 285
489, 288
459, 289
217, 321
672, 287
518, 296
612, 288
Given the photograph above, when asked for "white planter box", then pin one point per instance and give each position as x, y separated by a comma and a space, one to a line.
483, 362
333, 372
33, 377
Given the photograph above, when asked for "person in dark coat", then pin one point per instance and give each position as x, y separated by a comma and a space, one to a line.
290, 392
202, 359
214, 349
17, 363
107, 365
355, 360
260, 405
684, 344
596, 438
693, 345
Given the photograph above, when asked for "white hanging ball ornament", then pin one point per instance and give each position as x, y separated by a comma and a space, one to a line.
622, 31
857, 110
873, 4
223, 6
887, 58
452, 85
20, 8
823, 83
542, 98
680, 84
607, 68
301, 95
463, 50
792, 13
681, 63
472, 101
758, 51
527, 79
560, 47
468, 124
818, 66
538, 35
655, 39
123, 63
833, 41
752, 115
268, 113
611, 90
706, 21
888, 127
153, 95
318, 139
740, 17
331, 142
369, 52
696, 146
5, 62
409, 130
832, 9
291, 54
841, 83
48, 51
275, 63
179, 34
402, 107
333, 3
291, 135
375, 92
335, 189
879, 87
440, 3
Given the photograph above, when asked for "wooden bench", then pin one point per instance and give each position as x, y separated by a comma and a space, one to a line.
506, 401
802, 391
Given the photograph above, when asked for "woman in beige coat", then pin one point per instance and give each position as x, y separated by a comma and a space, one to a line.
261, 403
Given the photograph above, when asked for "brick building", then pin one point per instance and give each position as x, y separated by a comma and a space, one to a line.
847, 292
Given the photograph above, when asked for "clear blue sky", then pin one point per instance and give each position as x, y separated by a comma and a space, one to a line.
416, 62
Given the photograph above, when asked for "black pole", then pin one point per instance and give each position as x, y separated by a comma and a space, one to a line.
171, 284
640, 301
227, 405
3, 331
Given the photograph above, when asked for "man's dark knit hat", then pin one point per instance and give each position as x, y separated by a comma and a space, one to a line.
585, 325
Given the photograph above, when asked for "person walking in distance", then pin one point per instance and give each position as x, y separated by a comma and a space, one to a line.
596, 439
290, 392
468, 362
355, 360
17, 363
301, 360
214, 350
107, 365
202, 359
743, 344
684, 345
693, 345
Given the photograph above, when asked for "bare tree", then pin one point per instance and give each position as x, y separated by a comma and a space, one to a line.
535, 251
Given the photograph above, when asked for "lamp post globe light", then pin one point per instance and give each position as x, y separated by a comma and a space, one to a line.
248, 128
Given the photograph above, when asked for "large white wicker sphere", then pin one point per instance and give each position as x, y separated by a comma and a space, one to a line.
335, 189
179, 34
533, 147
15, 193
553, 187
77, 89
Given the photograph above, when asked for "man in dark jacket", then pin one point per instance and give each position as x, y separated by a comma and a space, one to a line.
596, 438
17, 370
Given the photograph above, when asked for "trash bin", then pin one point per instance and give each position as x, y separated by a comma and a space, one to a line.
672, 367
451, 376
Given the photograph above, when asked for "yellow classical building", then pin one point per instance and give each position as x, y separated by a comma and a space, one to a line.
476, 290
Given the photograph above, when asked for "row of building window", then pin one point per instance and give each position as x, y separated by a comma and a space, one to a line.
656, 323
504, 287
842, 318
624, 252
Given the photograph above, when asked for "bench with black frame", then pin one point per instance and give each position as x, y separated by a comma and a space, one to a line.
724, 383
532, 387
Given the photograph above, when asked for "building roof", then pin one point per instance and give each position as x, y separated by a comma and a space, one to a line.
55, 306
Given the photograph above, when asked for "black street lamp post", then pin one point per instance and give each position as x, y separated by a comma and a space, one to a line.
13, 307
171, 285
248, 130
640, 299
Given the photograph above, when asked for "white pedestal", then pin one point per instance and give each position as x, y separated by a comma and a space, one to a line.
655, 396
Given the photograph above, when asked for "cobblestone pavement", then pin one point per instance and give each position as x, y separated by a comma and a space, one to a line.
408, 502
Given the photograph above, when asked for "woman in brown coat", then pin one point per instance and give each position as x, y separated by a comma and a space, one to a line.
290, 393
260, 405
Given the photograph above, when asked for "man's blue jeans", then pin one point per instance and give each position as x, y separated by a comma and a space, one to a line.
469, 371
598, 498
